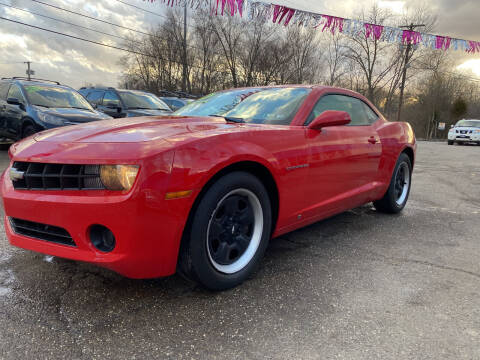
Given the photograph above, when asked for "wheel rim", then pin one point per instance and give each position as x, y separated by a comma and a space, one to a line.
402, 183
234, 231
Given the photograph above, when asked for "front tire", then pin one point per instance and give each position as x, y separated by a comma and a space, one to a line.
228, 233
398, 191
28, 130
450, 142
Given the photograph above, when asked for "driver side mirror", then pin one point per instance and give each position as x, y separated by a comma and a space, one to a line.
13, 101
330, 118
114, 106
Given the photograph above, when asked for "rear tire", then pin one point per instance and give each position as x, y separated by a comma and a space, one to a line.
450, 142
398, 191
228, 232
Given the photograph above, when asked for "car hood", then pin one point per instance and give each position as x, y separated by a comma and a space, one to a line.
146, 112
142, 129
74, 115
466, 128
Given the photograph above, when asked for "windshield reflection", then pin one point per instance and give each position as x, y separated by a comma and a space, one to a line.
216, 104
275, 106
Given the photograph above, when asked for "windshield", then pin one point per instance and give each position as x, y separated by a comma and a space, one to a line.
56, 97
275, 106
217, 103
174, 103
469, 123
141, 100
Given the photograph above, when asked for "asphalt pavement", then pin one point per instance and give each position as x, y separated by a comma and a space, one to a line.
361, 285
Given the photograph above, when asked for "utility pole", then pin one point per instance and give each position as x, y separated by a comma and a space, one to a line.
410, 27
184, 77
29, 72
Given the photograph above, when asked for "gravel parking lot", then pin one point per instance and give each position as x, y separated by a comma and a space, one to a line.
361, 285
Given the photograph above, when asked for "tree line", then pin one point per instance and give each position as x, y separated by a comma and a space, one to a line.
224, 52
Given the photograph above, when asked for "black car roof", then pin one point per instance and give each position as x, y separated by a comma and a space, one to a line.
24, 80
97, 88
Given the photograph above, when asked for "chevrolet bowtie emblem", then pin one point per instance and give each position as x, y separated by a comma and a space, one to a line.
16, 174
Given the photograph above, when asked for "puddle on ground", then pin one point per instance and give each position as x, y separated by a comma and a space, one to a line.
6, 280
6, 276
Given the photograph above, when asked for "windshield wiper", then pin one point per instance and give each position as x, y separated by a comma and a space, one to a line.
77, 107
41, 105
230, 118
234, 119
70, 107
139, 108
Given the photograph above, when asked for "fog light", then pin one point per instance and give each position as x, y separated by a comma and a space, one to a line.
102, 238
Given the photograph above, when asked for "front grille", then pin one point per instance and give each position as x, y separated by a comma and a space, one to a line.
41, 231
42, 176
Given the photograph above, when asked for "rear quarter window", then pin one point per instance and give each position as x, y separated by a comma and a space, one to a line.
95, 97
4, 90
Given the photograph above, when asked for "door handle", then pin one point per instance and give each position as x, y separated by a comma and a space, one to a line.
372, 140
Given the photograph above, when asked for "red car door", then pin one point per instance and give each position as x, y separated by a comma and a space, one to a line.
343, 160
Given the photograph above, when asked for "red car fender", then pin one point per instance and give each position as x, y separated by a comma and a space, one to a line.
191, 174
396, 138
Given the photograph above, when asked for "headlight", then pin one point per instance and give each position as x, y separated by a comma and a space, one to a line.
118, 177
51, 119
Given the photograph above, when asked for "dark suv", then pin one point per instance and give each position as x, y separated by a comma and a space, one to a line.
124, 103
29, 106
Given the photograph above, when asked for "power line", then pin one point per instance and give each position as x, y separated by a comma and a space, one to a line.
142, 9
90, 17
148, 11
65, 22
110, 23
78, 38
98, 43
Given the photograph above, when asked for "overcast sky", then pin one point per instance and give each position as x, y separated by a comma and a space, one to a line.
75, 62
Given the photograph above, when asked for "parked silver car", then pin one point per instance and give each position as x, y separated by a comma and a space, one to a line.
465, 131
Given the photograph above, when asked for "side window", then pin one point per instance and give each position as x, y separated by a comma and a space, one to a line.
371, 115
16, 93
351, 105
357, 112
95, 97
111, 99
328, 102
3, 90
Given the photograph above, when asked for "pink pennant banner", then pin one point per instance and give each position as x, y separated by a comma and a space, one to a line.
280, 14
233, 6
443, 42
474, 47
332, 23
411, 37
373, 31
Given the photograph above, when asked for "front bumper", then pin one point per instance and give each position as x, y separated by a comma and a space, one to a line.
464, 137
147, 227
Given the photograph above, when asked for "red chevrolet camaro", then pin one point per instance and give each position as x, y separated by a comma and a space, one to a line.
203, 191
